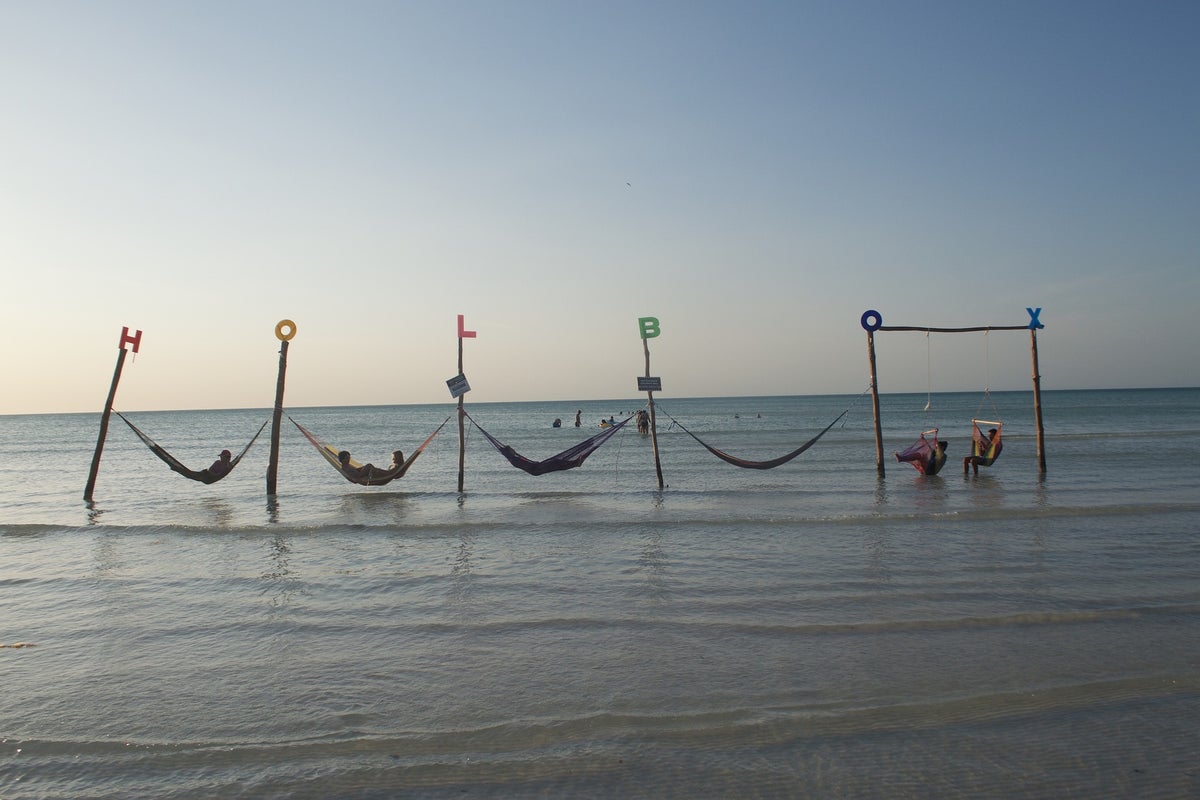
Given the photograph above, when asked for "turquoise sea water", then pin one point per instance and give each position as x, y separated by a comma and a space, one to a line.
815, 630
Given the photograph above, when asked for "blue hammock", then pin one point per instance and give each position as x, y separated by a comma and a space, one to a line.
567, 459
746, 463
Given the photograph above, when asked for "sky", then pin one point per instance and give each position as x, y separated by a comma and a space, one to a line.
755, 175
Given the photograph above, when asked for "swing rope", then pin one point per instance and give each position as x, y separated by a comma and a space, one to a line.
987, 362
987, 384
928, 374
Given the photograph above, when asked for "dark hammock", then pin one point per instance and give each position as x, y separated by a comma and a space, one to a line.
985, 452
567, 459
925, 456
744, 463
374, 476
201, 475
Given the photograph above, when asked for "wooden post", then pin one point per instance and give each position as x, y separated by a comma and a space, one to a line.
284, 331
463, 333
136, 341
653, 419
1037, 401
462, 439
875, 403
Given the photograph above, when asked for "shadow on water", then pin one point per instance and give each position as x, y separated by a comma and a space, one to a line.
653, 563
879, 556
877, 541
278, 579
222, 512
987, 491
461, 579
106, 558
881, 491
375, 505
1041, 493
930, 495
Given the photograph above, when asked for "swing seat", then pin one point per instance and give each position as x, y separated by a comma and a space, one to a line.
926, 457
984, 450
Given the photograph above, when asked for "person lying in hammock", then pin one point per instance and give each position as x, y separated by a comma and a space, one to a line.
368, 471
222, 465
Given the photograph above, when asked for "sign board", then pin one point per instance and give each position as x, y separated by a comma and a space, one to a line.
458, 386
649, 384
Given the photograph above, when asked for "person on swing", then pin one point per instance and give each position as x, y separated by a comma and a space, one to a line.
937, 459
972, 462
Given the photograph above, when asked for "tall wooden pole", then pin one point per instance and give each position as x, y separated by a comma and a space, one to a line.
462, 388
462, 439
284, 331
653, 418
135, 341
875, 403
1037, 402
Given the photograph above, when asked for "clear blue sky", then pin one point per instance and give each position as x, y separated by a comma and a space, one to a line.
755, 175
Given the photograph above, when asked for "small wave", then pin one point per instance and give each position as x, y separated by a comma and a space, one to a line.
585, 512
1017, 620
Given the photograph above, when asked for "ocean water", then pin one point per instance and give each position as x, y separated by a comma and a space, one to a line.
816, 630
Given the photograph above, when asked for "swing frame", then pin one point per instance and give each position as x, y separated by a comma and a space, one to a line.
872, 321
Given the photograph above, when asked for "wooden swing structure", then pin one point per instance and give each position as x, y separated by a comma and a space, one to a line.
872, 321
284, 332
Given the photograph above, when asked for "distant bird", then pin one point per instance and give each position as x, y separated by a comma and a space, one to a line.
627, 183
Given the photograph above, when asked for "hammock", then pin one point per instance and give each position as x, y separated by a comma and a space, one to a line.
374, 476
744, 463
567, 459
925, 456
983, 452
201, 475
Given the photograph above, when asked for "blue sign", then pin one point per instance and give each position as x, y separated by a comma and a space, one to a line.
458, 386
649, 384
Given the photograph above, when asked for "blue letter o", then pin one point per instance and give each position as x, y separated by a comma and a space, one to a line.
872, 326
